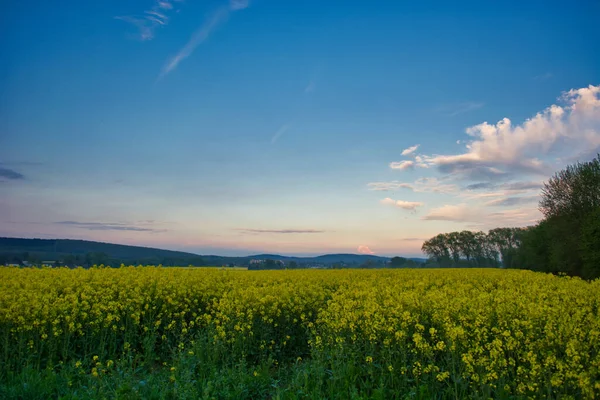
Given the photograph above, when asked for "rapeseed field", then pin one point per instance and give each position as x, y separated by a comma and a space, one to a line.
153, 332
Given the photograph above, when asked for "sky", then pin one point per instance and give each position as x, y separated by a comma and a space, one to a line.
293, 127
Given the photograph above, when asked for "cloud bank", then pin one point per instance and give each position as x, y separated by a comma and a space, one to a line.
504, 164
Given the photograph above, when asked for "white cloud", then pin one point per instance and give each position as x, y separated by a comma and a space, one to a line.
402, 165
362, 249
505, 164
497, 150
406, 205
410, 150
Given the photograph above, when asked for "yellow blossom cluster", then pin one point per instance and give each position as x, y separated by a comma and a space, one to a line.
496, 332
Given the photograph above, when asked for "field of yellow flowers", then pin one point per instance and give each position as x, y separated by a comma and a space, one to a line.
152, 332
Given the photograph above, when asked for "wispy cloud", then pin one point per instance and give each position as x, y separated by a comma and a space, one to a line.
543, 77
406, 205
512, 201
410, 150
279, 231
421, 185
280, 132
452, 110
110, 226
508, 186
238, 4
459, 213
151, 19
362, 249
203, 33
311, 87
389, 186
402, 165
481, 218
10, 174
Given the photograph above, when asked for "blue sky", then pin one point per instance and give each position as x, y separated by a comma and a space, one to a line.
236, 127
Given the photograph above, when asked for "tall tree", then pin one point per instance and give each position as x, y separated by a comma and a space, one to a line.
437, 248
570, 203
572, 192
453, 241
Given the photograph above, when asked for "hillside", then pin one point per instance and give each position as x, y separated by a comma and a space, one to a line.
16, 250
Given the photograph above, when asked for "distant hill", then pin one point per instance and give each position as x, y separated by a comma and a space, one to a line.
325, 259
83, 252
68, 246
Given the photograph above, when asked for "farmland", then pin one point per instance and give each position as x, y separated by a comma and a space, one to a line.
150, 332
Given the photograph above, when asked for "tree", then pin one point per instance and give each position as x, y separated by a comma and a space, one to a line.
368, 264
573, 192
293, 265
437, 248
590, 246
570, 203
69, 260
506, 241
534, 252
397, 262
467, 244
453, 241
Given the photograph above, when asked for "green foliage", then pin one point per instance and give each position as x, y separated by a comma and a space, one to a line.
568, 239
473, 249
397, 262
590, 245
573, 192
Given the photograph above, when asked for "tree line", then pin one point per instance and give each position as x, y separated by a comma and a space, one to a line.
566, 240
474, 249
